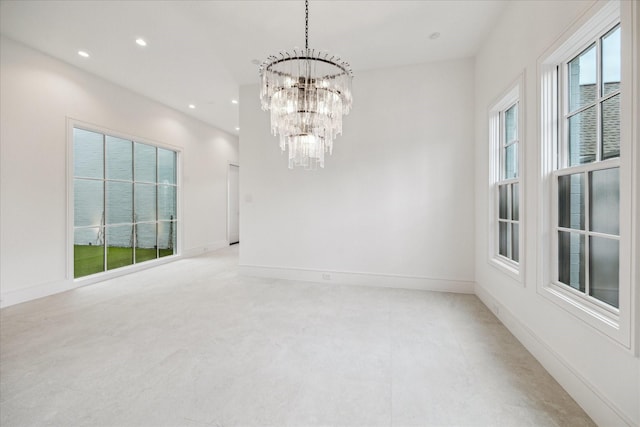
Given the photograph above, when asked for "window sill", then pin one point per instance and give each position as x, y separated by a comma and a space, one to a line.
510, 268
122, 271
604, 321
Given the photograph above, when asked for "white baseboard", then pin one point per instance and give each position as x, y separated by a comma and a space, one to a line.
360, 279
599, 407
595, 404
203, 249
13, 297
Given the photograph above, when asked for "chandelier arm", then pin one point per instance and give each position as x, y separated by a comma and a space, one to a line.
343, 66
324, 89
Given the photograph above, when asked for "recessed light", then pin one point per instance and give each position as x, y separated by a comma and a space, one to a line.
434, 36
234, 101
83, 54
192, 106
141, 42
237, 128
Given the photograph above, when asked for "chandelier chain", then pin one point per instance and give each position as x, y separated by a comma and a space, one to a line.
306, 24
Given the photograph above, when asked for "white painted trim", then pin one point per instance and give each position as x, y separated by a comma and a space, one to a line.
602, 14
359, 279
514, 94
230, 165
69, 193
123, 271
17, 296
115, 133
602, 410
592, 24
72, 123
635, 179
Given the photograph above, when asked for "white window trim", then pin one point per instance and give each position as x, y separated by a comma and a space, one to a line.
615, 324
515, 94
98, 277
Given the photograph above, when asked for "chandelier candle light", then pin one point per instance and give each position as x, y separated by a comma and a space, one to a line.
307, 92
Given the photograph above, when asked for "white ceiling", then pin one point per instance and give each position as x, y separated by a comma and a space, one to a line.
199, 52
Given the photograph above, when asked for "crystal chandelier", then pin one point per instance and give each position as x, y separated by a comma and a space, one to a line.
307, 93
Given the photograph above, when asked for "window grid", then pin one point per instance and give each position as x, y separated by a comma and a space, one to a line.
567, 167
599, 100
585, 229
105, 224
508, 229
617, 324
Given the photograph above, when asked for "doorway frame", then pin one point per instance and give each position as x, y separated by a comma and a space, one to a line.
229, 166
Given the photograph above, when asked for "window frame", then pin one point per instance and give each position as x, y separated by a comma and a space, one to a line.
617, 324
510, 97
115, 272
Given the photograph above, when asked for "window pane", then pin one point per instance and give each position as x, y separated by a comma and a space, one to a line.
571, 201
502, 238
515, 202
611, 61
604, 203
511, 161
145, 162
119, 158
146, 242
515, 241
166, 202
511, 124
503, 201
603, 269
611, 127
119, 202
582, 79
145, 202
582, 137
571, 259
166, 238
88, 251
88, 236
166, 166
87, 202
119, 246
88, 154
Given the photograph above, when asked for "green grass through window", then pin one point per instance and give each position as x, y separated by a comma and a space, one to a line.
90, 259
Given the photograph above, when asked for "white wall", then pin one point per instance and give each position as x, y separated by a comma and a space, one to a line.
37, 95
600, 374
395, 201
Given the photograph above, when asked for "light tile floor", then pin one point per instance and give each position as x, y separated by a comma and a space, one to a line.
191, 343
